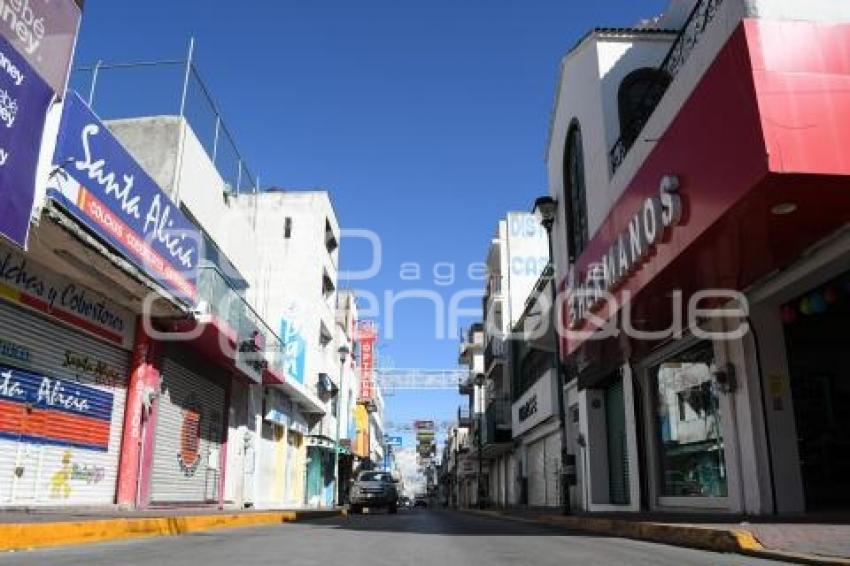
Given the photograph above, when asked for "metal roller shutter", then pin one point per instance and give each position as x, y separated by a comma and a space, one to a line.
618, 458
63, 451
537, 474
189, 426
553, 468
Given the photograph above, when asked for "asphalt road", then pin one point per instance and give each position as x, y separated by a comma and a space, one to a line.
410, 538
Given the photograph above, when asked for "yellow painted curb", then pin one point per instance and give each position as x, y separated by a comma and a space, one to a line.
737, 541
23, 536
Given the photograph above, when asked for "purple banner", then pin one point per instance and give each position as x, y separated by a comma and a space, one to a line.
44, 32
24, 99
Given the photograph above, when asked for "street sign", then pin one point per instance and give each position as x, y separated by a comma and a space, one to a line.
392, 441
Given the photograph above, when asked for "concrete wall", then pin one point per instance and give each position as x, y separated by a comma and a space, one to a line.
287, 285
191, 179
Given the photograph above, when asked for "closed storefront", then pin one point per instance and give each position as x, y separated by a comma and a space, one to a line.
296, 463
553, 467
62, 395
536, 426
272, 463
243, 440
279, 454
537, 474
189, 432
618, 456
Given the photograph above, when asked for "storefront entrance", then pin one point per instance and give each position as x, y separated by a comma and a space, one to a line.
818, 345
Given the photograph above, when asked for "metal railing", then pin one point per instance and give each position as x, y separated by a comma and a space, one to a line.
258, 344
167, 88
700, 17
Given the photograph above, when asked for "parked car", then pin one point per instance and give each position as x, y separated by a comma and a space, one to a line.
420, 502
374, 490
404, 502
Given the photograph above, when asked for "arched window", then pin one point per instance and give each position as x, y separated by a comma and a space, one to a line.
575, 198
639, 94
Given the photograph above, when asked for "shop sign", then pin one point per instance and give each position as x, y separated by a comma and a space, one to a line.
44, 32
277, 417
14, 353
102, 372
24, 99
528, 409
278, 408
367, 336
394, 441
103, 186
633, 246
319, 442
536, 405
30, 285
59, 412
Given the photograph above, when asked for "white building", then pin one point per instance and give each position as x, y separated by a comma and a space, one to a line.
680, 166
516, 258
297, 240
259, 255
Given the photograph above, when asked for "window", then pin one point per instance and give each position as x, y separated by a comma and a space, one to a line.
575, 198
287, 227
688, 425
639, 94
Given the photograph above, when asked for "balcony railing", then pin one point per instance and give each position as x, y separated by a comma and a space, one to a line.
258, 346
698, 21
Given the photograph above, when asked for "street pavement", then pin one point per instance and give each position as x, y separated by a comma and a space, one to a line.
417, 537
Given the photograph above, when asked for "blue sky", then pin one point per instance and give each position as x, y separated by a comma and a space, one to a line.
426, 120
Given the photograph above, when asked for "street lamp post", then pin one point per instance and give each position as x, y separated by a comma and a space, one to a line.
343, 356
545, 209
479, 441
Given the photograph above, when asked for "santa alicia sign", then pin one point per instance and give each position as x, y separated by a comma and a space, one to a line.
644, 232
101, 184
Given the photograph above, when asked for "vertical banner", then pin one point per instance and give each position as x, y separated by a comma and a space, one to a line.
24, 99
367, 336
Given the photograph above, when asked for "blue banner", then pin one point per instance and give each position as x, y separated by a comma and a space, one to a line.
104, 187
24, 99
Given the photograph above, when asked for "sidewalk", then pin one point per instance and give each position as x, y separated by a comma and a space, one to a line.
34, 528
802, 541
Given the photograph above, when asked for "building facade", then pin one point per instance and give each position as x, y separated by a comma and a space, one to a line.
702, 258
155, 346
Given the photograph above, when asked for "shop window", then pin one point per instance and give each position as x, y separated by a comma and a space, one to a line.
688, 425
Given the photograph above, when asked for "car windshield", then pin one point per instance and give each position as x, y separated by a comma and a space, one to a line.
376, 476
